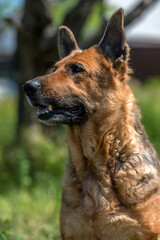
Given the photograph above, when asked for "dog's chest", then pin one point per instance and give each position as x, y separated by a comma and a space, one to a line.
98, 196
97, 217
83, 211
92, 197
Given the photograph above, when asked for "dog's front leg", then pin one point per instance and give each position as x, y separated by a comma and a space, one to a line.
74, 225
137, 184
136, 180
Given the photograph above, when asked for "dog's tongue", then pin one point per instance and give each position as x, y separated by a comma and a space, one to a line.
41, 110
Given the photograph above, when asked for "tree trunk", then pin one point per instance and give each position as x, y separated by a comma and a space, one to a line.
35, 19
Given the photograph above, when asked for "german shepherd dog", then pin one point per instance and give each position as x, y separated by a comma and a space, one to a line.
111, 186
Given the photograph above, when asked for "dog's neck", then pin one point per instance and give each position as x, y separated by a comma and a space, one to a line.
96, 146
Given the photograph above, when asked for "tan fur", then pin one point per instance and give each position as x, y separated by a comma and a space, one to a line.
111, 186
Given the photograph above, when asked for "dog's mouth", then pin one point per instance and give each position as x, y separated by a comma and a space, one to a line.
67, 114
46, 112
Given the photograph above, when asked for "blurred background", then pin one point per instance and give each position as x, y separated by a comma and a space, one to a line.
32, 156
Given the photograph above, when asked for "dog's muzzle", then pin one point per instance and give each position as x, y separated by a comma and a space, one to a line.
53, 109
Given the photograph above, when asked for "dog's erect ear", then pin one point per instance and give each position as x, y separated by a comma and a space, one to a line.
113, 42
66, 41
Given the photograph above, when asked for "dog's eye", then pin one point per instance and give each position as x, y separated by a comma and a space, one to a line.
76, 68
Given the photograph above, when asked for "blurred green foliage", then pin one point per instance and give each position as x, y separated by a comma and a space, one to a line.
30, 178
60, 9
148, 99
36, 154
31, 170
31, 214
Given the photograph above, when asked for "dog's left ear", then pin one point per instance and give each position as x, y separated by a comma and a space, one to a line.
66, 42
113, 43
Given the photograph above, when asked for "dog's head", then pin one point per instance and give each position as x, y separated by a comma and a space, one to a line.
83, 80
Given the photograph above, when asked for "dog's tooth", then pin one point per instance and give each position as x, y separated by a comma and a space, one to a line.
50, 108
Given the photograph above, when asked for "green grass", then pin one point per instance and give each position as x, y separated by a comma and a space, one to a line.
32, 214
31, 171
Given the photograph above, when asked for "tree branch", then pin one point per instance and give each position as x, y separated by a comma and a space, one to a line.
76, 18
130, 17
96, 36
137, 11
14, 22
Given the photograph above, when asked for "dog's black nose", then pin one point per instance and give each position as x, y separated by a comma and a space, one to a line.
31, 87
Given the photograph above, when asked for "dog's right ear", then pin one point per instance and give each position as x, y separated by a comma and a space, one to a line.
66, 42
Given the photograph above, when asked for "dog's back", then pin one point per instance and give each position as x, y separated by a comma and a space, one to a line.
112, 178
